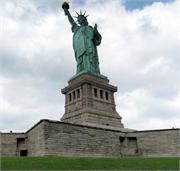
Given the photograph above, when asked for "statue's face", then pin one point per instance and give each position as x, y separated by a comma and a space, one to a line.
82, 20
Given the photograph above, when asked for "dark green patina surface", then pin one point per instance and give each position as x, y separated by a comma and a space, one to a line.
85, 42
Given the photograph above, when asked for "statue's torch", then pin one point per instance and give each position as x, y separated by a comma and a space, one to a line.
65, 6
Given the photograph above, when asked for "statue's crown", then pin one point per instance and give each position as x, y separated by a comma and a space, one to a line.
81, 15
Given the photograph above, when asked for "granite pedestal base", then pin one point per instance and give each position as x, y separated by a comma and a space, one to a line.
89, 100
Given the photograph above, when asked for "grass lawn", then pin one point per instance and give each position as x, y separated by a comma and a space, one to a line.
75, 163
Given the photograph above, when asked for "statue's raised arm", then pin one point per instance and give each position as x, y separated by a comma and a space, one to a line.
85, 42
65, 7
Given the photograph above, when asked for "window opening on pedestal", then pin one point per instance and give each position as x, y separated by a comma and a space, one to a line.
74, 95
95, 92
101, 94
107, 95
70, 98
78, 93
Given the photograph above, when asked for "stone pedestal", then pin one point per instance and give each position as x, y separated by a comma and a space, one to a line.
89, 100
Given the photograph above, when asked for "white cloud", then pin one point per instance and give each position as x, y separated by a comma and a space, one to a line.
139, 54
141, 110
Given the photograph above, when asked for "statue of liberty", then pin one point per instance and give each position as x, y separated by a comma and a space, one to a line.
85, 42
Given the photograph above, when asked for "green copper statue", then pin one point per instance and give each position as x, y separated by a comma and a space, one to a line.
85, 42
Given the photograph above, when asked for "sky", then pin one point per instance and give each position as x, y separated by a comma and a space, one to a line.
139, 54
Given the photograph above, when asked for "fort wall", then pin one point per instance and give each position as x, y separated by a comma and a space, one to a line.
55, 138
36, 140
64, 139
12, 143
158, 142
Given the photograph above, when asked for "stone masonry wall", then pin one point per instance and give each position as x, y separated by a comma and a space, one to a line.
75, 140
63, 139
36, 143
157, 142
8, 144
54, 138
90, 99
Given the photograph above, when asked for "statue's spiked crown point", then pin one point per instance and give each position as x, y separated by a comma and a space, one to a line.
81, 14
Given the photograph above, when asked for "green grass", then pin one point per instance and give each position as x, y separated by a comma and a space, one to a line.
75, 163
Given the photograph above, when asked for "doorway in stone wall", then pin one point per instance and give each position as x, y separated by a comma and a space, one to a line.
132, 146
23, 153
122, 145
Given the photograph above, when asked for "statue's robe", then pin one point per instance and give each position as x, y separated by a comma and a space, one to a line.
85, 40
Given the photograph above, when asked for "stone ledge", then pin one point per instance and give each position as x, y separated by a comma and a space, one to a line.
110, 114
157, 130
89, 79
79, 125
101, 128
99, 76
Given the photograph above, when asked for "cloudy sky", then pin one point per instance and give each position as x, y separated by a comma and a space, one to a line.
139, 54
